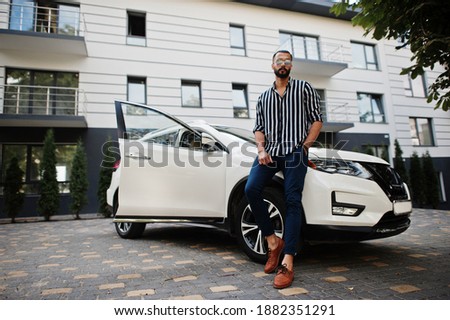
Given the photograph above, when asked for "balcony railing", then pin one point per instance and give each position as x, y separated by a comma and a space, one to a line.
65, 20
42, 100
313, 49
335, 112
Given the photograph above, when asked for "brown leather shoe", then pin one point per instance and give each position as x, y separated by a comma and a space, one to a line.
274, 257
284, 278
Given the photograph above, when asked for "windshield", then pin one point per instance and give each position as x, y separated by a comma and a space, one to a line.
240, 133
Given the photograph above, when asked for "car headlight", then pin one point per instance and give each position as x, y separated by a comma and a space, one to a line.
346, 167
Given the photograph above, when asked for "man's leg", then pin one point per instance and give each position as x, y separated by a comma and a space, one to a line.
259, 176
294, 178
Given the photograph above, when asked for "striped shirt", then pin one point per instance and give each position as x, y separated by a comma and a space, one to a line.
285, 120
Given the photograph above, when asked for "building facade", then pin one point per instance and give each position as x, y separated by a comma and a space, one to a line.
62, 65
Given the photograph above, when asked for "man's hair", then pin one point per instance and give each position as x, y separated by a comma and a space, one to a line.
281, 51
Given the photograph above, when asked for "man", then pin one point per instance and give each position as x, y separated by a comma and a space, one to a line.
288, 121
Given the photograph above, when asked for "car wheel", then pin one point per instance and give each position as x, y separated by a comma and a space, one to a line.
128, 230
249, 236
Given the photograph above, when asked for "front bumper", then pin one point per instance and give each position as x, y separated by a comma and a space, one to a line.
389, 225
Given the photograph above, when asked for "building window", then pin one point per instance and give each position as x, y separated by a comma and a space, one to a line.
30, 157
44, 16
237, 40
364, 56
41, 92
301, 46
136, 91
136, 28
415, 87
240, 101
191, 94
68, 19
421, 131
370, 108
380, 151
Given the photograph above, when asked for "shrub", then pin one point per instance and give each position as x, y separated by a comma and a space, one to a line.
431, 187
399, 164
48, 203
417, 179
12, 195
106, 170
78, 180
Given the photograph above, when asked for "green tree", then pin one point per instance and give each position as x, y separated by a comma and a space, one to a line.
12, 194
399, 164
106, 170
384, 153
369, 150
421, 25
417, 179
48, 203
431, 188
78, 180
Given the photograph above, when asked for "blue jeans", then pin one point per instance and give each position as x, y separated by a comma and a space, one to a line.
294, 167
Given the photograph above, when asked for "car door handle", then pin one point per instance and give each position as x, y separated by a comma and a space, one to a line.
137, 156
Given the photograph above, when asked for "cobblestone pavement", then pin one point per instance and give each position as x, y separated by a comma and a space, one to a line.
85, 259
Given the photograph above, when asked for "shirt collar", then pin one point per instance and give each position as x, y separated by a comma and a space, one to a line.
288, 85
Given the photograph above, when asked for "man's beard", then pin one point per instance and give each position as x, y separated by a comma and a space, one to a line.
282, 75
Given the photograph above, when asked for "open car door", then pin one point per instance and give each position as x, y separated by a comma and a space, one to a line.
166, 171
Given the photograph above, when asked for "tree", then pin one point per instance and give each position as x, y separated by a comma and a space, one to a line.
48, 203
368, 149
417, 179
106, 170
431, 189
399, 164
12, 195
78, 180
384, 153
421, 25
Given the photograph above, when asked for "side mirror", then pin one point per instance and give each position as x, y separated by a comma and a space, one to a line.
209, 144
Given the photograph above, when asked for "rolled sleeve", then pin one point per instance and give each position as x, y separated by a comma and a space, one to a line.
259, 122
313, 102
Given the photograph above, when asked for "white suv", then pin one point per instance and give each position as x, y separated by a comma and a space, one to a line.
171, 171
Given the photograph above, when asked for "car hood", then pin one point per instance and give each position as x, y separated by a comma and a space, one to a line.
323, 153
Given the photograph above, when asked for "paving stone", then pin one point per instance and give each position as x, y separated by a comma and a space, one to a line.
335, 279
405, 288
293, 291
86, 259
140, 293
191, 297
56, 291
185, 278
223, 288
338, 269
129, 276
110, 286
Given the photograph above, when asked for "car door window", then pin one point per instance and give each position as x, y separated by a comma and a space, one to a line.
147, 125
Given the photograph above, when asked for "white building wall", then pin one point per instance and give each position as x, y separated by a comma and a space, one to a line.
189, 40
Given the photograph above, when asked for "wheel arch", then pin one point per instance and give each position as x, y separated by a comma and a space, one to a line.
237, 193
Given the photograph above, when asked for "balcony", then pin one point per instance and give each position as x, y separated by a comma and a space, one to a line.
29, 27
312, 56
336, 117
40, 106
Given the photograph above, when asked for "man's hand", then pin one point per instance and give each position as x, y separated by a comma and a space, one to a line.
264, 158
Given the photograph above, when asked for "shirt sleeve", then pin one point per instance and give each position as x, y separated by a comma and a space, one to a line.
312, 104
259, 123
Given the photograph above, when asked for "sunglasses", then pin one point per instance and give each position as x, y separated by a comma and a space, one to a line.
287, 63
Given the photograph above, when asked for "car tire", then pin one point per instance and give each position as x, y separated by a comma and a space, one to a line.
249, 236
127, 230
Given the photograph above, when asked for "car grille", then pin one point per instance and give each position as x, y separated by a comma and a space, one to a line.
391, 222
388, 179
